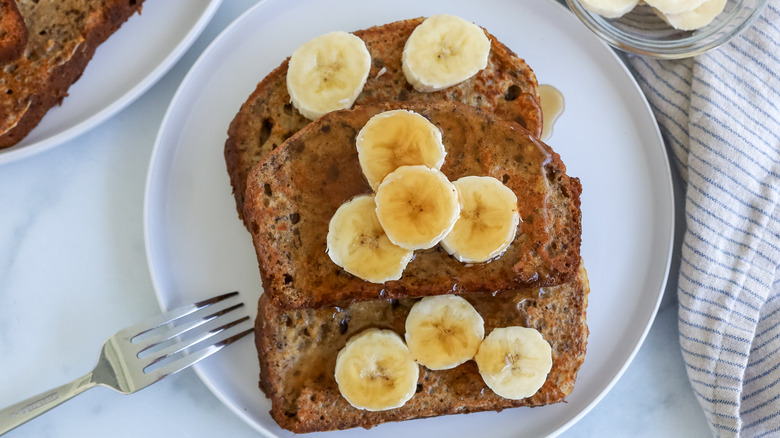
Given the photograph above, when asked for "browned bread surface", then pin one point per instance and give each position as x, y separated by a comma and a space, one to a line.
63, 37
293, 194
507, 87
297, 351
13, 31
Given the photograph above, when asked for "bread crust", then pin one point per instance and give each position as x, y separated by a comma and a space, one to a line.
39, 79
292, 195
297, 352
506, 87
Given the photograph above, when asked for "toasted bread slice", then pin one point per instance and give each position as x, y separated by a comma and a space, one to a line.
13, 31
293, 194
297, 351
507, 87
63, 37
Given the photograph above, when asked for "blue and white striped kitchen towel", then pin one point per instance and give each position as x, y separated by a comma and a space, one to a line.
719, 114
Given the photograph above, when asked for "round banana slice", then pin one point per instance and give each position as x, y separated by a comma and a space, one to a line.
327, 73
609, 8
488, 220
417, 206
375, 371
397, 138
696, 18
675, 6
357, 243
514, 361
442, 51
444, 331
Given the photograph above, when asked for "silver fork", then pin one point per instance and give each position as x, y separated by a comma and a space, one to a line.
142, 354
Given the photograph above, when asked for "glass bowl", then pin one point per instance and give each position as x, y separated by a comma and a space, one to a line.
643, 32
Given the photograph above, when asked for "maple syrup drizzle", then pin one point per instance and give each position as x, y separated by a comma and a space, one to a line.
552, 107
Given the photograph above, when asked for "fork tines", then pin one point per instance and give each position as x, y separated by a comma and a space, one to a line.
188, 334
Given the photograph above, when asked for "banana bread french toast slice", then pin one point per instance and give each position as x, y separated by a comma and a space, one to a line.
292, 195
507, 87
63, 36
297, 351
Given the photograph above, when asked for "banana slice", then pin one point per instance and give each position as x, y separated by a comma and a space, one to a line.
442, 51
327, 73
514, 361
417, 206
397, 138
609, 8
375, 371
696, 18
488, 220
357, 243
675, 6
444, 331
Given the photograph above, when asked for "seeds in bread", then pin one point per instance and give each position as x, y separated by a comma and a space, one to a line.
292, 195
63, 37
506, 87
297, 352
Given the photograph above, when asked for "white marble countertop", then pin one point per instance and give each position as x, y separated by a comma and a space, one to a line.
73, 271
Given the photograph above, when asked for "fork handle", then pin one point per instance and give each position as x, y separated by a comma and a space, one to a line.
26, 410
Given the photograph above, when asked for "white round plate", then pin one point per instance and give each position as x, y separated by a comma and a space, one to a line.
126, 65
607, 137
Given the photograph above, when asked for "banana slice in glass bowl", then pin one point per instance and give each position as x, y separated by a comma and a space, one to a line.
667, 29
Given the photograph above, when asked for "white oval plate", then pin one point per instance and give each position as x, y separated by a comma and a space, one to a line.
607, 137
126, 65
